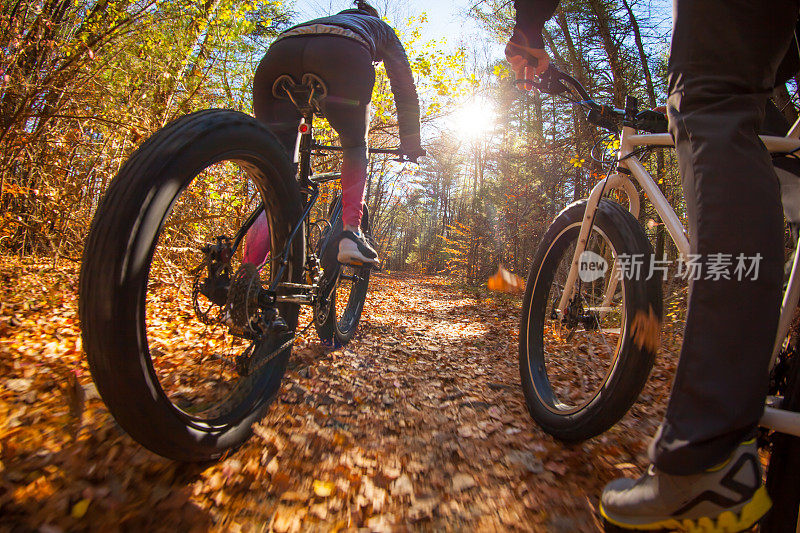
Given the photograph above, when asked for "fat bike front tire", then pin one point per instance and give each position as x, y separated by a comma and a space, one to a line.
337, 324
582, 371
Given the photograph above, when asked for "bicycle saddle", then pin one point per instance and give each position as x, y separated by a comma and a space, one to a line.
307, 96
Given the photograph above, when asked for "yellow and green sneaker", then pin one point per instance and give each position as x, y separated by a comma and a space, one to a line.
727, 498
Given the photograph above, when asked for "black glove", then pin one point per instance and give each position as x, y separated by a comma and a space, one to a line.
652, 121
413, 153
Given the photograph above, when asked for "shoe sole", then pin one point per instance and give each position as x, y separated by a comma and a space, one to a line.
727, 522
354, 260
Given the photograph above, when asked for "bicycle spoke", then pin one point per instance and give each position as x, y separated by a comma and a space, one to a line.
197, 366
585, 350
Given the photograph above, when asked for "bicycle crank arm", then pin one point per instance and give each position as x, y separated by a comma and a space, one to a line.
302, 299
301, 286
302, 293
353, 278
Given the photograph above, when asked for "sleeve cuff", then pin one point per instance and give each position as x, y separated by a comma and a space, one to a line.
529, 36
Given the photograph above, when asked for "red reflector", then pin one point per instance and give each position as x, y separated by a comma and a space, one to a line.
303, 128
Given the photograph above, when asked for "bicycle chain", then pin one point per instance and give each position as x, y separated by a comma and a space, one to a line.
279, 349
272, 355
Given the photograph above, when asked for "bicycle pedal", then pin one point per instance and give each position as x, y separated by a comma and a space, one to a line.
372, 266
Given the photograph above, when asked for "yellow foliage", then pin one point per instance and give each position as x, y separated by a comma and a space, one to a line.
577, 162
80, 508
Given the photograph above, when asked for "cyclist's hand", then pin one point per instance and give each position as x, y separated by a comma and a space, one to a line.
526, 62
414, 153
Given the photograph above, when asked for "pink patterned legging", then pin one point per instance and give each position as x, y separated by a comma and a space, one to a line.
257, 243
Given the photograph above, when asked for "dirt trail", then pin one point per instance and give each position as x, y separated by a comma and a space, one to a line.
419, 423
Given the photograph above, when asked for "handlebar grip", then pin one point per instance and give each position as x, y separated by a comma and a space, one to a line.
651, 121
549, 81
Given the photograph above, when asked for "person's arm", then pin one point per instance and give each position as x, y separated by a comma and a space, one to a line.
525, 49
405, 94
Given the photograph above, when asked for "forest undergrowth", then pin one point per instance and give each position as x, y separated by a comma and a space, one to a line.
418, 423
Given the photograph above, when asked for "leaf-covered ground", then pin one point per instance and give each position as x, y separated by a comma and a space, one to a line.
418, 424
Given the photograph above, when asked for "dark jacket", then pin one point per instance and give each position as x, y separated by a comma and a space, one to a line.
531, 16
383, 44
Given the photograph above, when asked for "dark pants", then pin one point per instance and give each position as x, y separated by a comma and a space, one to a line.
722, 67
346, 68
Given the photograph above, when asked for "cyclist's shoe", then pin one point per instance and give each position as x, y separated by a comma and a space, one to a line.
354, 249
726, 498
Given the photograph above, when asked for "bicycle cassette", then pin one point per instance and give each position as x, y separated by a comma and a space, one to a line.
242, 309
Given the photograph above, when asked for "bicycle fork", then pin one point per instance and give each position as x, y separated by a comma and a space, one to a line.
627, 167
617, 180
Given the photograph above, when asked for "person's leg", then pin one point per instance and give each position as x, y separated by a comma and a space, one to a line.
257, 243
280, 115
706, 468
346, 67
722, 68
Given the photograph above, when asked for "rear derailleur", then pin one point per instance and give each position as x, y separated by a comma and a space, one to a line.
251, 314
243, 306
214, 286
275, 337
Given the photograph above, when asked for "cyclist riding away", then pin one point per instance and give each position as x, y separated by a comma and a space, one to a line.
724, 61
340, 50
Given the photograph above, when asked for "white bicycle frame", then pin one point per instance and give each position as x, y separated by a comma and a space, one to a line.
773, 418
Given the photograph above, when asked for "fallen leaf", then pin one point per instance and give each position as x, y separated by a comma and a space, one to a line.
558, 468
505, 281
80, 508
462, 481
422, 508
402, 486
18, 385
323, 489
526, 460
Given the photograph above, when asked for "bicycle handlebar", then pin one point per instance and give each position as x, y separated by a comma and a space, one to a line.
553, 81
390, 151
401, 156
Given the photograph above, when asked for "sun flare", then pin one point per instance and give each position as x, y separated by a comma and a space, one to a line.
474, 120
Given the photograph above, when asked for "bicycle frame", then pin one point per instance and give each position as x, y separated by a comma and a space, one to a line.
305, 146
630, 167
